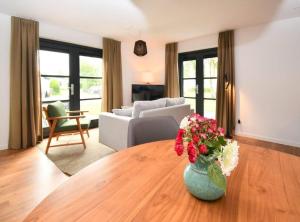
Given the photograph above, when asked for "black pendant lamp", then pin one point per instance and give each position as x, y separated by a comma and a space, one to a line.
140, 48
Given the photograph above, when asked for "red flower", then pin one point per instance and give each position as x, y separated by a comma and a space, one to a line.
179, 148
203, 149
180, 132
195, 139
193, 129
179, 137
192, 152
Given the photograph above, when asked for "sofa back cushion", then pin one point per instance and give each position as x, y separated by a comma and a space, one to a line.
175, 101
57, 109
140, 106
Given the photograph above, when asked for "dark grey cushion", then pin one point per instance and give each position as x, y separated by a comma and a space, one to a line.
150, 129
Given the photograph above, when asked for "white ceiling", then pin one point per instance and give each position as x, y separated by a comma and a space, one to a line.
164, 20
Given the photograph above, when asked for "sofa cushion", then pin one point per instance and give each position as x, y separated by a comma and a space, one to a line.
57, 109
175, 101
123, 112
140, 106
71, 124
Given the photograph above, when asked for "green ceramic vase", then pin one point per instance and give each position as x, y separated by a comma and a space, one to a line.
199, 184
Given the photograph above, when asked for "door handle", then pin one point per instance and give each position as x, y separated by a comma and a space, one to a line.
72, 89
197, 89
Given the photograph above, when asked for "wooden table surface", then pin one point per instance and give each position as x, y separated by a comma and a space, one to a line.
145, 183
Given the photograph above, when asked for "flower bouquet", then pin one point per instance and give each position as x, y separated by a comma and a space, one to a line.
211, 156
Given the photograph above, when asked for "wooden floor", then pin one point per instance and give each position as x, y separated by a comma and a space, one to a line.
26, 178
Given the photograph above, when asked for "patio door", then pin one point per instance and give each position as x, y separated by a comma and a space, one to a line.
71, 74
198, 80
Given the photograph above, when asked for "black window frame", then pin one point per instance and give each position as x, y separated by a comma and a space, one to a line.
74, 51
199, 56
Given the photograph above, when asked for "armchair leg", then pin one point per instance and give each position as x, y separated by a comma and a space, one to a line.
87, 132
81, 133
50, 135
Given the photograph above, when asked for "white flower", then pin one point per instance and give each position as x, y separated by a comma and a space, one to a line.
229, 157
184, 123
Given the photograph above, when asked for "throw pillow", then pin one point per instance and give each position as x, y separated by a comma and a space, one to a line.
175, 101
123, 112
140, 106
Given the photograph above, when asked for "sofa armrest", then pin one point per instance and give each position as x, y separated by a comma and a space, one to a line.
113, 130
178, 112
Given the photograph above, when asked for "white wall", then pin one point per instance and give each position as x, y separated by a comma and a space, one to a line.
149, 68
4, 78
59, 33
267, 63
268, 76
204, 42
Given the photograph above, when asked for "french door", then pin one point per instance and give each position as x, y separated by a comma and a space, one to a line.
72, 74
198, 80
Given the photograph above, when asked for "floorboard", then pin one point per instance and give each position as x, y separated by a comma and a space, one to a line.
26, 178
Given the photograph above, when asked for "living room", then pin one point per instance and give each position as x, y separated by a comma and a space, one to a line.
97, 95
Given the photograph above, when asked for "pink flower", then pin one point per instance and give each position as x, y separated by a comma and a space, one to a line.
203, 135
193, 129
203, 149
221, 131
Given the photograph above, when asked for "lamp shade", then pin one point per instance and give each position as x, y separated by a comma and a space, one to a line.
140, 48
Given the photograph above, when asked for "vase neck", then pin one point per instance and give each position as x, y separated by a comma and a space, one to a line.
201, 164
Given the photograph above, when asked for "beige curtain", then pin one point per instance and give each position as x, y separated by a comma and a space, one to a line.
171, 71
112, 79
25, 97
226, 83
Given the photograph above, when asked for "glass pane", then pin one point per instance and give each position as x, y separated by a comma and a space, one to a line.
55, 88
192, 102
189, 69
189, 88
210, 67
90, 66
210, 88
54, 63
210, 108
93, 106
90, 88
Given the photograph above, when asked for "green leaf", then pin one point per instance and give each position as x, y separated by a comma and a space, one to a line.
215, 175
222, 141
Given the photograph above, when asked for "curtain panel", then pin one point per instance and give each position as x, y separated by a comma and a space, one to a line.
171, 70
112, 78
25, 95
226, 83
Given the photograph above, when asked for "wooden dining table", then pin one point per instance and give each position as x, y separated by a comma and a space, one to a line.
145, 183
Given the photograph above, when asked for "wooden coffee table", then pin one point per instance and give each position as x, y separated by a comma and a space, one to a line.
145, 183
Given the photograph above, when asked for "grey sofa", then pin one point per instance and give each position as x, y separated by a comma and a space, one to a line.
113, 129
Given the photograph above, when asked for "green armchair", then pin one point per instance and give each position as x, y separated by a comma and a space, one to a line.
60, 123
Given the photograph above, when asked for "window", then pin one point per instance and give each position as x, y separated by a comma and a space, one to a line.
71, 74
198, 80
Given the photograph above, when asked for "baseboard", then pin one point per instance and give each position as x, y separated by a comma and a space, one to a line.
269, 139
250, 140
3, 147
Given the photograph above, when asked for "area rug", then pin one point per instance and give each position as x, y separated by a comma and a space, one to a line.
71, 159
